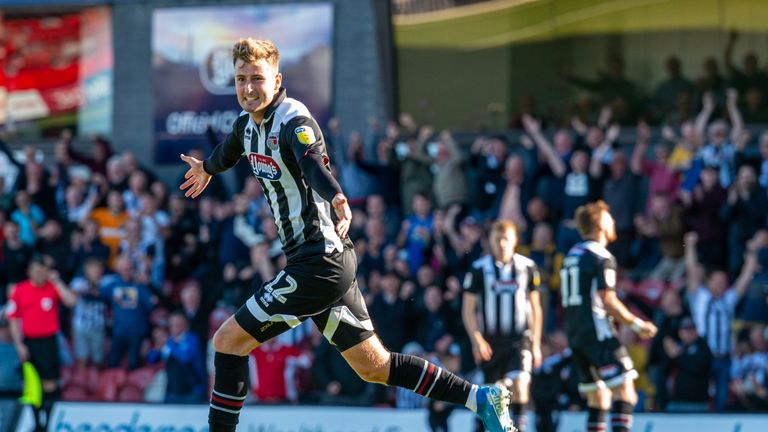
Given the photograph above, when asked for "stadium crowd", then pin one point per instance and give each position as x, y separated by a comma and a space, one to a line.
685, 173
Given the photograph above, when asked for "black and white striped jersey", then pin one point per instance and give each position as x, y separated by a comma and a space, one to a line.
503, 295
275, 150
587, 269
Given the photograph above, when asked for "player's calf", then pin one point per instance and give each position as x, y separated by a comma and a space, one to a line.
229, 391
621, 416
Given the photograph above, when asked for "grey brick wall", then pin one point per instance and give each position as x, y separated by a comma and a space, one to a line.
360, 83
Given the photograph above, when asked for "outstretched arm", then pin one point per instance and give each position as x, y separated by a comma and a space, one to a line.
223, 157
533, 128
737, 121
708, 106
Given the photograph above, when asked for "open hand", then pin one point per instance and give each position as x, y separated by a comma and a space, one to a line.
343, 212
197, 178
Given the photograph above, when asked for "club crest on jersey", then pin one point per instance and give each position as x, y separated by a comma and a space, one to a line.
305, 134
272, 142
264, 167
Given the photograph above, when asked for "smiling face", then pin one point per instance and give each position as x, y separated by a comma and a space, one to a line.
257, 83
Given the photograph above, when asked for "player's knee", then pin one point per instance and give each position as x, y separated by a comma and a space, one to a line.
375, 369
626, 393
225, 341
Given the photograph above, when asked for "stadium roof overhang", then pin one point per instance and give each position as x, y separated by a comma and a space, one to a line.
502, 22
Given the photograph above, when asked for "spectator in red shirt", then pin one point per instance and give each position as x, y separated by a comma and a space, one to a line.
273, 371
33, 311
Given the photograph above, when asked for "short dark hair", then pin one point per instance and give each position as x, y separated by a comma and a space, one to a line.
588, 217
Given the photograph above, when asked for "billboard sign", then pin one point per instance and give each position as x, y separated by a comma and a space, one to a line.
193, 74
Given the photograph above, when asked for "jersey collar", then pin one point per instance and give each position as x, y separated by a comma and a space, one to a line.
276, 101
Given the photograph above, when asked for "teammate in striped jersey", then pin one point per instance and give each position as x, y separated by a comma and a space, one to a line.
501, 292
285, 148
588, 282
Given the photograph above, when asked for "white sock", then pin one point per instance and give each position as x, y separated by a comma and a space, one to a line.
472, 399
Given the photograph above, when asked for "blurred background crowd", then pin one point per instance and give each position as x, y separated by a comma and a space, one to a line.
684, 171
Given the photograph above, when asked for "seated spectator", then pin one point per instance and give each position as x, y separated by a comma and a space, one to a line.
754, 308
487, 158
10, 367
750, 383
29, 217
192, 306
86, 244
661, 178
665, 223
273, 370
549, 384
15, 258
137, 186
110, 220
620, 187
744, 213
131, 303
703, 207
182, 355
432, 329
692, 360
549, 261
450, 184
334, 380
416, 232
668, 320
89, 315
390, 313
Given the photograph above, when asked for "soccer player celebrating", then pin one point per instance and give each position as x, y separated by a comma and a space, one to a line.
287, 153
501, 290
588, 281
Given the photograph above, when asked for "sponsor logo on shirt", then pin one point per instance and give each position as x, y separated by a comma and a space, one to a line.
505, 286
305, 134
264, 167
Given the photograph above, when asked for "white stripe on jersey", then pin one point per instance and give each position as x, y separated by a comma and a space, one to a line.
505, 298
522, 306
599, 315
489, 299
332, 240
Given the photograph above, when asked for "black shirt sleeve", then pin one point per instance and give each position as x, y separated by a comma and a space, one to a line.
606, 274
226, 154
473, 281
305, 138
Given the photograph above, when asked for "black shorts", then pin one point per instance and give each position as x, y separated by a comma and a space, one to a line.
602, 365
511, 360
44, 356
321, 287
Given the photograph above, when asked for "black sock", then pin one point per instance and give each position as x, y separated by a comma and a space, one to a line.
427, 379
39, 425
49, 398
621, 416
596, 420
519, 416
229, 390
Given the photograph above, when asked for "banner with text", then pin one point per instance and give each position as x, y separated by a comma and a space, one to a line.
193, 73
